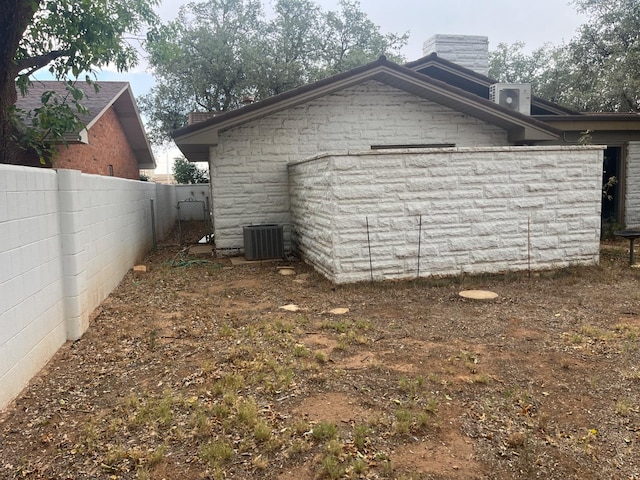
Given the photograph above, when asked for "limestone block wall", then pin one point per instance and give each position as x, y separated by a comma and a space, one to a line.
632, 187
249, 166
66, 241
446, 211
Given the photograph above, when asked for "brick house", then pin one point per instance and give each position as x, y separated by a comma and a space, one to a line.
353, 166
113, 141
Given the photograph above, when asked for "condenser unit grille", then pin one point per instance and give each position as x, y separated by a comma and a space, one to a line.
263, 242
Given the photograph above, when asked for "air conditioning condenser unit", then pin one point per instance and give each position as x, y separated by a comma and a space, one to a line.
514, 96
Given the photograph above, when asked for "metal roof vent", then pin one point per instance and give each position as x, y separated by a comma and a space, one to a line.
263, 242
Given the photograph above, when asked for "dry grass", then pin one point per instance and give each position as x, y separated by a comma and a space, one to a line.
193, 372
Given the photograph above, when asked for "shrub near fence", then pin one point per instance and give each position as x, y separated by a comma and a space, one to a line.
66, 241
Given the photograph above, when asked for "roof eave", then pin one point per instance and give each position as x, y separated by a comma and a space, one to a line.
520, 127
127, 111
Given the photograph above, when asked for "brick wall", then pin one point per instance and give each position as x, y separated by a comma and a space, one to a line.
483, 210
249, 166
108, 145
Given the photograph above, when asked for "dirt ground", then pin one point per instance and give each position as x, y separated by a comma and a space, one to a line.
195, 371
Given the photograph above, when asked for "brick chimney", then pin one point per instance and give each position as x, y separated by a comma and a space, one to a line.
470, 51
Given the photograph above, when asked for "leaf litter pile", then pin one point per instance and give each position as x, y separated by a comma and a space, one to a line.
194, 371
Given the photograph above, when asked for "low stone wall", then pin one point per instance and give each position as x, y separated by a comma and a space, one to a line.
389, 214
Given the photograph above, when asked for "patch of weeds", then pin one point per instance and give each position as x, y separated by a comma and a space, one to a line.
153, 339
359, 466
156, 456
403, 421
228, 383
283, 327
331, 468
226, 330
300, 427
360, 436
321, 357
411, 386
261, 432
363, 325
431, 406
301, 351
162, 412
260, 462
596, 333
482, 379
334, 447
216, 453
577, 339
199, 421
221, 410
324, 431
624, 407
629, 332
338, 326
247, 412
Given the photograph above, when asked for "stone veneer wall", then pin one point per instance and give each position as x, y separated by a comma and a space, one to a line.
483, 210
249, 166
632, 187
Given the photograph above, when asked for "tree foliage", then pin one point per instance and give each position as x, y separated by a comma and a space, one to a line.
70, 38
218, 51
187, 172
598, 70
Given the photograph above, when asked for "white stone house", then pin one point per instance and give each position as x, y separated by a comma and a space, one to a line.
387, 172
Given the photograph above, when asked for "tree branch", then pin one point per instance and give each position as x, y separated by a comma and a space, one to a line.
39, 61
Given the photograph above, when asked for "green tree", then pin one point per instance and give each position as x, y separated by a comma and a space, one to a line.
548, 69
70, 38
218, 51
606, 53
598, 70
187, 172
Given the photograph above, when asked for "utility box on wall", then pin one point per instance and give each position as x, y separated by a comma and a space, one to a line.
263, 242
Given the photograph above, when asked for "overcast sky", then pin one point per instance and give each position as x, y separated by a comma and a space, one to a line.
504, 21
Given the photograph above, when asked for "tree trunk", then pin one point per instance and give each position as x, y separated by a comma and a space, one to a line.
15, 17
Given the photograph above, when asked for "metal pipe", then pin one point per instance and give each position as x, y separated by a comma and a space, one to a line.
369, 245
419, 244
153, 224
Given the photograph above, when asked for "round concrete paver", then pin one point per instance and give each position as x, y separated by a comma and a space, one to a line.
478, 294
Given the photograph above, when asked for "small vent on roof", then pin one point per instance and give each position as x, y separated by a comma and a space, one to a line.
262, 242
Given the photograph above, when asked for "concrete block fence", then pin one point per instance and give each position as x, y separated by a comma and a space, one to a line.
446, 211
66, 241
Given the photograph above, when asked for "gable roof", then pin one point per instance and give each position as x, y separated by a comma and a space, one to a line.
110, 94
472, 81
194, 140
